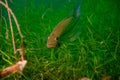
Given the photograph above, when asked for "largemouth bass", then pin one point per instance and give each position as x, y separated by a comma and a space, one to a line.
57, 31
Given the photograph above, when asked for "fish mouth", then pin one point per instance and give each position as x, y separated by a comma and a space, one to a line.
50, 45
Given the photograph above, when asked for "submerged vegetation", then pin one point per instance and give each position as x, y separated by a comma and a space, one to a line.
94, 53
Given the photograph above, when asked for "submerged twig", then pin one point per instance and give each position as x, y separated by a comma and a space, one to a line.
21, 63
6, 33
11, 28
19, 66
21, 50
14, 17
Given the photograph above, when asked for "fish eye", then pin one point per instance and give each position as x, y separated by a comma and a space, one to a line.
58, 44
56, 38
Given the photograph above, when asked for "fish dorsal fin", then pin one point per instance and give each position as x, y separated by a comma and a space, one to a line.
76, 11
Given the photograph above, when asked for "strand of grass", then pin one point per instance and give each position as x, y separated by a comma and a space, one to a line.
106, 62
5, 58
4, 20
88, 18
52, 54
109, 35
9, 57
6, 34
118, 44
4, 54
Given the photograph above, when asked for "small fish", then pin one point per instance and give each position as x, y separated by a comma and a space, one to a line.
57, 31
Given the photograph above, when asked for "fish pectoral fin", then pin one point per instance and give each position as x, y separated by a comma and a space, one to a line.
57, 38
58, 44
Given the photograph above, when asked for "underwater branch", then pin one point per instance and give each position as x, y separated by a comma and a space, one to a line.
14, 17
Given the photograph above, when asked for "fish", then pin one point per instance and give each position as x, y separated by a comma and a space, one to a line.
60, 27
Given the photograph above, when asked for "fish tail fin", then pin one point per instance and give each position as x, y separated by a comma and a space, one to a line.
76, 10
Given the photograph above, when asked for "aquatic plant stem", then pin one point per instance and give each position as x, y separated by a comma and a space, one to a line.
14, 17
17, 24
11, 28
19, 66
